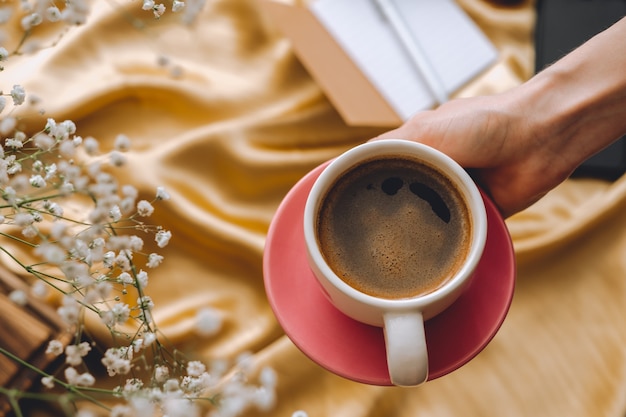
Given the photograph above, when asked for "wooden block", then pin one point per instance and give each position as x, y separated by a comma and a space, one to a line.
25, 332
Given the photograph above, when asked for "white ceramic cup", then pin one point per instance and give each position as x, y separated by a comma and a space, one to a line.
402, 318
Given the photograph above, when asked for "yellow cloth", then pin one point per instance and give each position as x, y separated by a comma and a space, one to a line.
234, 131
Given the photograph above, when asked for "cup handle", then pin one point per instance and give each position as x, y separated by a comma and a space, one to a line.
405, 342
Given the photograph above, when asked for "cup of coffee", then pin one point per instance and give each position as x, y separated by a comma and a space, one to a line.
394, 230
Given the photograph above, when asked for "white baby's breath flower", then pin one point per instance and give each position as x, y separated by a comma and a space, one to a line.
31, 20
161, 373
70, 310
55, 347
7, 125
162, 194
158, 10
80, 380
48, 382
23, 219
37, 181
122, 410
122, 143
39, 289
92, 146
51, 253
13, 143
118, 360
144, 208
149, 338
177, 5
208, 321
154, 260
19, 297
268, 377
18, 94
195, 368
147, 4
115, 213
53, 14
135, 243
299, 413
4, 54
145, 302
125, 278
3, 103
117, 158
74, 354
142, 279
44, 141
162, 238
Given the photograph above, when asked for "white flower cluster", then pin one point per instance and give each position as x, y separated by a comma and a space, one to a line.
59, 196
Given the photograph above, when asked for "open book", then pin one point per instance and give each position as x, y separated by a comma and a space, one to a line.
454, 48
363, 62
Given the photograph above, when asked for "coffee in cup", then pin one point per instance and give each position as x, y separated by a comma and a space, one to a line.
394, 227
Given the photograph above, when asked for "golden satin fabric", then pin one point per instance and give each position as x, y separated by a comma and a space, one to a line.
233, 132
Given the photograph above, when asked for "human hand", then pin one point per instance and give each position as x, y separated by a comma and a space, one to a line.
494, 139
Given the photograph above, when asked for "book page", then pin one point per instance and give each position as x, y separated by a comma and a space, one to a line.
455, 47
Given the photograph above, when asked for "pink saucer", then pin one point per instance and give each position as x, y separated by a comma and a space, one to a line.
355, 350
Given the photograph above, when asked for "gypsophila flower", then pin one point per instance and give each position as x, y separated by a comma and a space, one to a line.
74, 354
23, 219
132, 385
158, 10
147, 4
135, 243
69, 311
117, 158
119, 314
44, 141
108, 259
195, 368
125, 278
177, 5
19, 297
13, 143
121, 410
117, 360
115, 213
145, 302
161, 373
162, 194
39, 289
80, 380
144, 208
55, 347
18, 94
208, 321
84, 251
7, 125
142, 279
28, 22
299, 413
92, 147
53, 14
149, 338
162, 238
122, 143
154, 260
48, 382
37, 181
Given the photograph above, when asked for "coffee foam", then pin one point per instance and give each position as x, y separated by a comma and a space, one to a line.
384, 232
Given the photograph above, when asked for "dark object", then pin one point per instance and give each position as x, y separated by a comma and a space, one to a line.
563, 25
